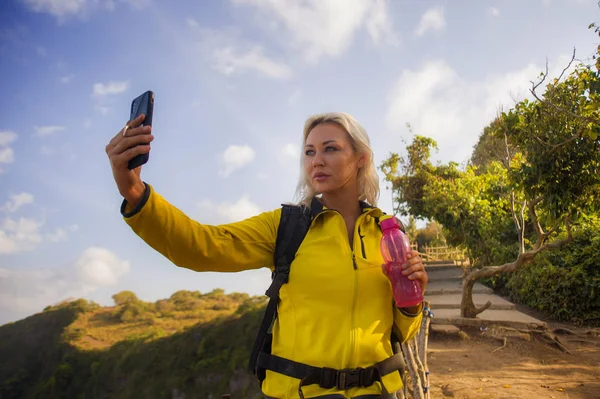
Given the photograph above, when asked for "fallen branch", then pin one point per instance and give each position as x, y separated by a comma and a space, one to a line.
585, 341
543, 333
562, 330
504, 341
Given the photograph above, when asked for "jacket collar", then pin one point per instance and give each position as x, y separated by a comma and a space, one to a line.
316, 207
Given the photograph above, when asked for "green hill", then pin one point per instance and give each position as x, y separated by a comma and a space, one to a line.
191, 345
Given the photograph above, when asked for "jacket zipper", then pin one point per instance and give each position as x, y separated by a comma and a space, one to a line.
362, 244
352, 348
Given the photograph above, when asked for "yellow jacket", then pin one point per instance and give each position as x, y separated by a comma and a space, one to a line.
337, 309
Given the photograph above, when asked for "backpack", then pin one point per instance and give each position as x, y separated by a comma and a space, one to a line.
293, 226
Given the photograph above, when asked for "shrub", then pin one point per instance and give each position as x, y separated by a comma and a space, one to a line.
564, 283
124, 297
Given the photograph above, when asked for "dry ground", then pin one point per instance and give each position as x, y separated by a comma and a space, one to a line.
467, 368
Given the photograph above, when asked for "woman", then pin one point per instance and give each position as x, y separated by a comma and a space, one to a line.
336, 313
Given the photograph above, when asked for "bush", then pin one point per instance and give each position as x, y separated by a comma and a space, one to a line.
564, 283
124, 297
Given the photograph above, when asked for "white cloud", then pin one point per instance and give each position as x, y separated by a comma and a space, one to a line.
19, 235
290, 152
16, 201
24, 291
110, 88
103, 94
24, 234
63, 9
432, 19
226, 212
58, 8
42, 131
323, 27
242, 209
99, 266
192, 22
230, 60
103, 110
7, 154
440, 104
6, 138
67, 78
494, 11
58, 235
379, 25
235, 157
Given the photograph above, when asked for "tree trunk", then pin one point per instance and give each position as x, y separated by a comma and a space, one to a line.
467, 306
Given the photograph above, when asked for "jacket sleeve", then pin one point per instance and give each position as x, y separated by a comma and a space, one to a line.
406, 326
248, 244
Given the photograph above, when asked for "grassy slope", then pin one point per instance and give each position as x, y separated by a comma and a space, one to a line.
191, 344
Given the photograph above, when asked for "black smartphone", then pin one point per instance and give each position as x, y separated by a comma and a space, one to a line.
143, 104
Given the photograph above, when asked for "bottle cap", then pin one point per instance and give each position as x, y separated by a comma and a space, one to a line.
388, 224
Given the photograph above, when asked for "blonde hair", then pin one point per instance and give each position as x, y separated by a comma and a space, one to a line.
367, 179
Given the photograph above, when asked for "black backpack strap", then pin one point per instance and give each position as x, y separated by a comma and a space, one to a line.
293, 226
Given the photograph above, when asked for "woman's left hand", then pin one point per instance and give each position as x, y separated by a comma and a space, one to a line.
415, 270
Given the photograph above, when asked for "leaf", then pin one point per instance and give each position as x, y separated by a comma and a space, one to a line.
560, 389
507, 386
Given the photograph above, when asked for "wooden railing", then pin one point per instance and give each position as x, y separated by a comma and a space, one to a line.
441, 252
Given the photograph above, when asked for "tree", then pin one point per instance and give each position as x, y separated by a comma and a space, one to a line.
124, 297
430, 235
507, 212
490, 147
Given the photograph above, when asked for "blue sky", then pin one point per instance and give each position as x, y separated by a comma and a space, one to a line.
234, 81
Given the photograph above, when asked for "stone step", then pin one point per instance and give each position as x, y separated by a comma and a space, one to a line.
509, 318
450, 273
454, 287
443, 329
452, 301
436, 266
439, 262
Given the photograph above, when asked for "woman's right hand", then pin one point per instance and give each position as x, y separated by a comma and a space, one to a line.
120, 150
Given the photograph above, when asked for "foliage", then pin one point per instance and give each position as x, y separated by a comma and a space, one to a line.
490, 147
534, 175
431, 235
566, 283
558, 136
551, 164
473, 207
124, 297
410, 175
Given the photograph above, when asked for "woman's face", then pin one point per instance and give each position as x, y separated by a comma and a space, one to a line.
330, 162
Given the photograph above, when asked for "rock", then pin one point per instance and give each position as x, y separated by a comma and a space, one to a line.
447, 391
444, 328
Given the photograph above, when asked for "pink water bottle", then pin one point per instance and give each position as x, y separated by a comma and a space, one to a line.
395, 247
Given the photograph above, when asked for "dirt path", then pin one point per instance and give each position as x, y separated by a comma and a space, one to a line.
523, 369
